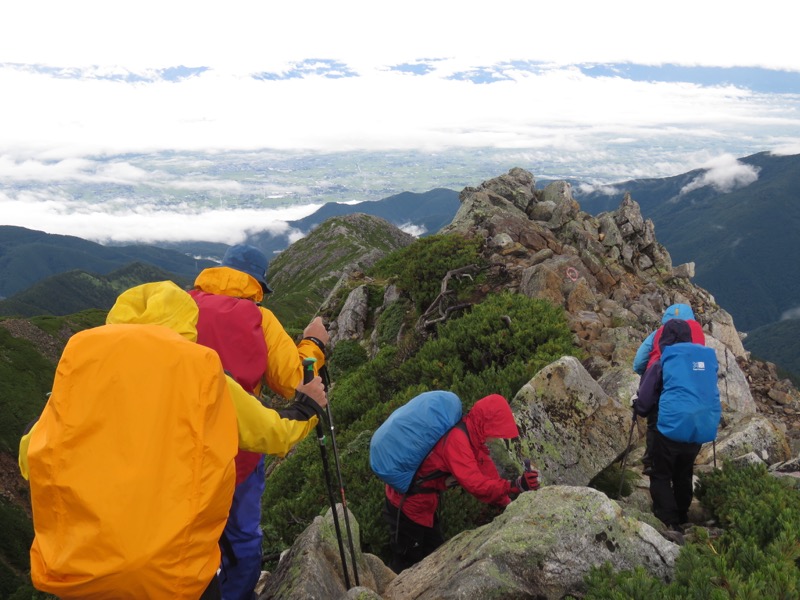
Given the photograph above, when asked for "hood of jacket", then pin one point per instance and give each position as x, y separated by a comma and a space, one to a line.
229, 282
158, 303
678, 311
490, 417
676, 331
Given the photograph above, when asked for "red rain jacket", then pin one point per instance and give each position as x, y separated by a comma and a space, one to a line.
466, 459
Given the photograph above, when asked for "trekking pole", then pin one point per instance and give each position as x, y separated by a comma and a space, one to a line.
308, 375
625, 456
326, 381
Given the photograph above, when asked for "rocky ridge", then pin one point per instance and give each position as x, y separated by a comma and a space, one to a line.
614, 281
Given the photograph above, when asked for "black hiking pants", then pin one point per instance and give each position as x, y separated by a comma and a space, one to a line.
671, 480
213, 591
650, 434
410, 542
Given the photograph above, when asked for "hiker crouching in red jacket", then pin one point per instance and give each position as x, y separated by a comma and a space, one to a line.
463, 459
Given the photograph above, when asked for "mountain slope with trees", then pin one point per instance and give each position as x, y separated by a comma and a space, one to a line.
76, 291
28, 256
778, 343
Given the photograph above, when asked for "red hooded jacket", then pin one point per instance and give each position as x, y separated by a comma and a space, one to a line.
467, 459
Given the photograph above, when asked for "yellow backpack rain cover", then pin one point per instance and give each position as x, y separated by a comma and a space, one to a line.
131, 467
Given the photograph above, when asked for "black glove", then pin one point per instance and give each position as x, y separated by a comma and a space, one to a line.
302, 409
529, 480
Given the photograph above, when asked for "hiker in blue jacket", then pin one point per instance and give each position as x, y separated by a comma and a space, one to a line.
671, 488
649, 352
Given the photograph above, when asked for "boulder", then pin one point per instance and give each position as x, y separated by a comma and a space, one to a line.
747, 433
569, 427
312, 567
351, 322
541, 547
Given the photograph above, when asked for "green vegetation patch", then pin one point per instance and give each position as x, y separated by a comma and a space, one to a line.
495, 347
757, 556
420, 267
25, 378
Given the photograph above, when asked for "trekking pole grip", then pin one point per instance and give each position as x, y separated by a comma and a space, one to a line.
308, 375
308, 369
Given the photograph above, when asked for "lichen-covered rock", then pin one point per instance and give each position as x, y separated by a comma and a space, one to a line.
541, 547
351, 322
312, 567
750, 433
569, 426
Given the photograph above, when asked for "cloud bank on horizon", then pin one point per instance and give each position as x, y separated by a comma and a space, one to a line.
652, 89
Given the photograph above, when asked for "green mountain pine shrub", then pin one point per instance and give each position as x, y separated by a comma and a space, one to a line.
346, 356
16, 536
609, 479
420, 267
757, 556
25, 379
474, 355
77, 322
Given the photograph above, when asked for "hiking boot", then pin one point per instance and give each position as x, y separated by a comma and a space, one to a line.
674, 535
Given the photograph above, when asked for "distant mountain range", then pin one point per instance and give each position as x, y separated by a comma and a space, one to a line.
419, 214
78, 290
743, 241
416, 213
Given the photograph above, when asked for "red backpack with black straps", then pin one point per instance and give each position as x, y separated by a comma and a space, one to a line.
232, 327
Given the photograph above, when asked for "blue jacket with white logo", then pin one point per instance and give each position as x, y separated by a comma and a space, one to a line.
682, 387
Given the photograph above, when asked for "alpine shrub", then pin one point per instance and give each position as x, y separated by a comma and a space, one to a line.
346, 356
25, 378
756, 557
420, 267
495, 347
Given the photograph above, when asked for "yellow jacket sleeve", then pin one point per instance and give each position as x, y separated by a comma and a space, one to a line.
263, 429
284, 357
23, 452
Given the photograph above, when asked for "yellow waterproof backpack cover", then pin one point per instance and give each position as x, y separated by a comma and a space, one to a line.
131, 467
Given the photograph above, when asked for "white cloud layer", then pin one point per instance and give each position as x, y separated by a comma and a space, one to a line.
247, 34
146, 223
83, 90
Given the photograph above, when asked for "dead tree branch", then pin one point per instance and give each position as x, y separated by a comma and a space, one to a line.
439, 310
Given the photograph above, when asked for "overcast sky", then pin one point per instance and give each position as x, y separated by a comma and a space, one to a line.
85, 80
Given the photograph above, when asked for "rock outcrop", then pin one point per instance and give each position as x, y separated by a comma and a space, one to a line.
541, 547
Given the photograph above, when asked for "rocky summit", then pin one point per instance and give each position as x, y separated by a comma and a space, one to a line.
614, 280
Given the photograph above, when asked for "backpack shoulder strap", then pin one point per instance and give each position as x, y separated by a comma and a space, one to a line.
417, 487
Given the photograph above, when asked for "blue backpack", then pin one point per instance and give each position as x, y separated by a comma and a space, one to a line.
689, 409
402, 442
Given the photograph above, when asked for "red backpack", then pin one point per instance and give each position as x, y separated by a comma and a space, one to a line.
698, 337
232, 327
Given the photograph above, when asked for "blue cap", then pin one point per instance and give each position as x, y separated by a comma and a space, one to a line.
678, 311
250, 260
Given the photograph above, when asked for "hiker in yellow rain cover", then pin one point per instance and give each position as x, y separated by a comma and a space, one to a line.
131, 463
